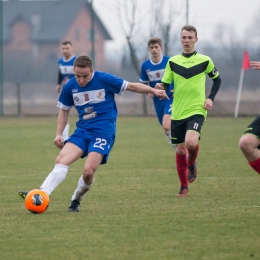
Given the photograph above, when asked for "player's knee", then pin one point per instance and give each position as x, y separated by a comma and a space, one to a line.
190, 144
166, 127
244, 144
60, 160
88, 174
181, 149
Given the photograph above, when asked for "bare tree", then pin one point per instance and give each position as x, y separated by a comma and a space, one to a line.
165, 23
138, 25
230, 44
130, 23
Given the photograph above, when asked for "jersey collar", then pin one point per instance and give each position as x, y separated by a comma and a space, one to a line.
187, 55
156, 63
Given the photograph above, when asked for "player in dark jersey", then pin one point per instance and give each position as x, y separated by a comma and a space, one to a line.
65, 73
249, 143
188, 73
152, 71
92, 93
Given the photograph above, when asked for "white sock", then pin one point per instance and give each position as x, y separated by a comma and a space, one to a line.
169, 137
65, 134
55, 178
81, 189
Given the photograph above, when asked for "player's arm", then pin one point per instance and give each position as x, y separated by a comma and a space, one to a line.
144, 89
214, 90
58, 87
62, 121
149, 95
215, 87
166, 79
165, 86
255, 65
162, 85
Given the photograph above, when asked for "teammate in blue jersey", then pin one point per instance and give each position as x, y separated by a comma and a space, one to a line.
65, 73
152, 71
93, 95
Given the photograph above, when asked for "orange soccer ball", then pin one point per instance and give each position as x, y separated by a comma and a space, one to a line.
37, 201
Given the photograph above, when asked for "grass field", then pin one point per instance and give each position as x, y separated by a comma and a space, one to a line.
132, 211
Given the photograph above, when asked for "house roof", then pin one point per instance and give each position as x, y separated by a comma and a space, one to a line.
50, 20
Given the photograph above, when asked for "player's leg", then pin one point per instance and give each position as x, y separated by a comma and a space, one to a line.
178, 130
194, 127
163, 111
166, 124
86, 180
99, 149
166, 120
69, 154
249, 144
72, 150
182, 166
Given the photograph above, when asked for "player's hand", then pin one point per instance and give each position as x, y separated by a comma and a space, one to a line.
150, 95
159, 86
58, 141
58, 88
255, 65
208, 104
161, 94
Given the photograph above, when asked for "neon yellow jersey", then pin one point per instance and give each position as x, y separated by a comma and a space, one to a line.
189, 77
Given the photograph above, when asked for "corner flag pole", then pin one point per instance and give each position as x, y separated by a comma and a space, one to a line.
245, 66
1, 61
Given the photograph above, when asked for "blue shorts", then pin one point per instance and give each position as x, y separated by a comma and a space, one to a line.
93, 142
163, 107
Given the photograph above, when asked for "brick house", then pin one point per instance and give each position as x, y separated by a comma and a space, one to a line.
39, 28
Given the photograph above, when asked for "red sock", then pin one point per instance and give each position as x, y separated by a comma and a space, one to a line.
193, 154
255, 165
182, 167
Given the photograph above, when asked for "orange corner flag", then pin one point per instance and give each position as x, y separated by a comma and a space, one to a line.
246, 61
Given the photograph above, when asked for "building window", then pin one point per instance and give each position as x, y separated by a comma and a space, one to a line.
88, 36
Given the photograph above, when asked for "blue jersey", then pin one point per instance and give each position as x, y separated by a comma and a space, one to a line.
152, 73
95, 103
66, 68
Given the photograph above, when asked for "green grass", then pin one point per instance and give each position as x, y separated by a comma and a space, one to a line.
132, 211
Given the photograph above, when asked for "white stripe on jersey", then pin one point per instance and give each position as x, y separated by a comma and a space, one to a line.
89, 97
155, 75
124, 86
60, 105
66, 69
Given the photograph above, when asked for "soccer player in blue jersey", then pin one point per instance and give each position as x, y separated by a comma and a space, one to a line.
249, 143
152, 71
93, 95
66, 72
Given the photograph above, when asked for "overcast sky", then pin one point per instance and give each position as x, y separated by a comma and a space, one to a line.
203, 14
